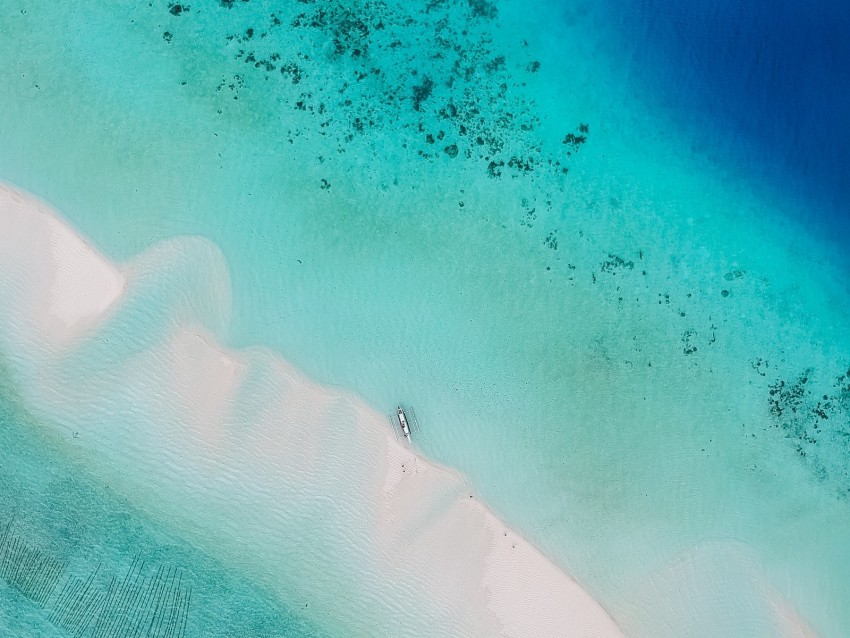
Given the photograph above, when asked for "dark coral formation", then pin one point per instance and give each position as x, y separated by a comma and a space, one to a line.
574, 141
178, 9
483, 9
815, 418
422, 92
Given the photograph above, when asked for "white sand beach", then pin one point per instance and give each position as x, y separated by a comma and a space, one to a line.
302, 487
65, 285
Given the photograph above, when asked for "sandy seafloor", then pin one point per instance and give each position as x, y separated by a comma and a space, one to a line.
641, 363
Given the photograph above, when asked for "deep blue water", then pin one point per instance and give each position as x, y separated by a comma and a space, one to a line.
763, 86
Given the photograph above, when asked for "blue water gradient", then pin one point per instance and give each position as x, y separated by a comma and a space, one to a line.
597, 343
762, 87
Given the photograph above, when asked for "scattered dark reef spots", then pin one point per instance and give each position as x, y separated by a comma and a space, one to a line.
530, 213
427, 72
483, 9
688, 337
551, 240
735, 274
814, 415
145, 602
521, 165
496, 64
615, 263
731, 276
760, 366
233, 85
292, 71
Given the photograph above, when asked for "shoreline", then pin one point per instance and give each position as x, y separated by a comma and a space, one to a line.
421, 527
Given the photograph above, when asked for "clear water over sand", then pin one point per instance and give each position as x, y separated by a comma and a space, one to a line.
127, 561
614, 356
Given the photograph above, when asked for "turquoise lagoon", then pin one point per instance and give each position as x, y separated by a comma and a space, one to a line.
637, 354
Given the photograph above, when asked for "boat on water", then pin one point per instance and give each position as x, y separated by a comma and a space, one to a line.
403, 424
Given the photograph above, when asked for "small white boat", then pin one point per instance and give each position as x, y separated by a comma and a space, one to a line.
402, 422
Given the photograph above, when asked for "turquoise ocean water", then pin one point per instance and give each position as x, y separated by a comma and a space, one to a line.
637, 353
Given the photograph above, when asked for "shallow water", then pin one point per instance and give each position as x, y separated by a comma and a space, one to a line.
612, 355
77, 559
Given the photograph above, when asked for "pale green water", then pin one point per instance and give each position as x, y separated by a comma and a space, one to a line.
523, 339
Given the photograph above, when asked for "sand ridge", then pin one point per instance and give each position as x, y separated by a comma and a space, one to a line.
243, 440
73, 285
